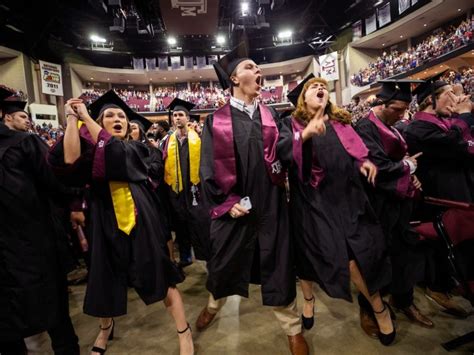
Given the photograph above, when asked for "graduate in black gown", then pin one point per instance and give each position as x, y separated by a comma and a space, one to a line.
441, 130
241, 145
34, 255
128, 245
138, 128
394, 194
337, 234
182, 154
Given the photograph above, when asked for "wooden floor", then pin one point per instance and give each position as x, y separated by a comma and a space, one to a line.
245, 327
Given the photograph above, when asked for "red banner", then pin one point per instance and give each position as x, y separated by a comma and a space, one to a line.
185, 17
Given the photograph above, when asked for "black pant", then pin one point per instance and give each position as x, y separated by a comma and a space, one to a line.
16, 347
64, 340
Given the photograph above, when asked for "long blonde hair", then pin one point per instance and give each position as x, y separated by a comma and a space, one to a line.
334, 113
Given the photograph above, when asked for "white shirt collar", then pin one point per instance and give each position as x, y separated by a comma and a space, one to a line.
242, 106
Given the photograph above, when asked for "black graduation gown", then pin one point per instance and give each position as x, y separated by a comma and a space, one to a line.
190, 219
255, 248
334, 222
33, 249
393, 211
446, 168
117, 260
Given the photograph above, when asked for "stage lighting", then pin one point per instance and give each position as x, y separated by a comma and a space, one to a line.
287, 34
95, 38
172, 41
245, 8
220, 39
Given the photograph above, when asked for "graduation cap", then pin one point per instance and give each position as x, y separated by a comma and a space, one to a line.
12, 106
225, 66
296, 92
4, 93
180, 105
393, 89
111, 100
429, 87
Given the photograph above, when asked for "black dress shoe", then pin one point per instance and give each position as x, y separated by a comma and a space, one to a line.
308, 322
387, 339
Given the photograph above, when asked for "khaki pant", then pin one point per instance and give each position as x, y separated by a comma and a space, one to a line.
288, 316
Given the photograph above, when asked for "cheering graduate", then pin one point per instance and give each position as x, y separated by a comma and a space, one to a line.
34, 257
128, 243
243, 183
392, 197
336, 231
182, 154
441, 131
446, 167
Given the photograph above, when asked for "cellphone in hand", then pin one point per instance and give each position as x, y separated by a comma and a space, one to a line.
245, 203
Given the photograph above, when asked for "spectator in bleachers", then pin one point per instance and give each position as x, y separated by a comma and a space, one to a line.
437, 44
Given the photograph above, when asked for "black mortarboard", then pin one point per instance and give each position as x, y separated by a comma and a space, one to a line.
180, 105
393, 89
109, 100
225, 66
429, 87
12, 106
4, 93
296, 92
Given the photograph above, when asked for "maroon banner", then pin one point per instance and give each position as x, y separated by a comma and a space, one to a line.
185, 17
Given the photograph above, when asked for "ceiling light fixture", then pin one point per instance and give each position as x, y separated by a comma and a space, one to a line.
172, 41
285, 34
95, 38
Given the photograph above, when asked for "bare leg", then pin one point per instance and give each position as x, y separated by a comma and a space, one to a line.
170, 245
103, 337
308, 306
174, 305
383, 319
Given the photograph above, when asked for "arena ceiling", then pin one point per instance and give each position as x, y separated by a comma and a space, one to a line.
60, 30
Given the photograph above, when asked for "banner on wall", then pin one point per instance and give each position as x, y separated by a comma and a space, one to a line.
370, 24
383, 15
188, 62
175, 62
51, 78
150, 63
403, 5
328, 66
138, 63
356, 30
201, 62
163, 63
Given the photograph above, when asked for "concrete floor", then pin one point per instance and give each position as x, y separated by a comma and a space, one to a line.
245, 327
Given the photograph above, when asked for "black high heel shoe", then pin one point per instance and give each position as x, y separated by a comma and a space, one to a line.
111, 337
386, 339
308, 322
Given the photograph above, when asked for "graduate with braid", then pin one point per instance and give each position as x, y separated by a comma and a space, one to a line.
182, 155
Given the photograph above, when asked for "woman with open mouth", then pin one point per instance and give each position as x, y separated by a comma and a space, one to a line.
336, 232
128, 242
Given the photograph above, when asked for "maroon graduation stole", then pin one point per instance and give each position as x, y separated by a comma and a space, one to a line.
394, 144
446, 124
350, 140
225, 170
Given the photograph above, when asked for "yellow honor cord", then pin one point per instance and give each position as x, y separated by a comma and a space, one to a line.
124, 206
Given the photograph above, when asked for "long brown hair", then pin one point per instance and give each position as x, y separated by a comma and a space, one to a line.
334, 113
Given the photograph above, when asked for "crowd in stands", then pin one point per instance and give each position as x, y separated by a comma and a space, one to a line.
48, 133
202, 97
437, 44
